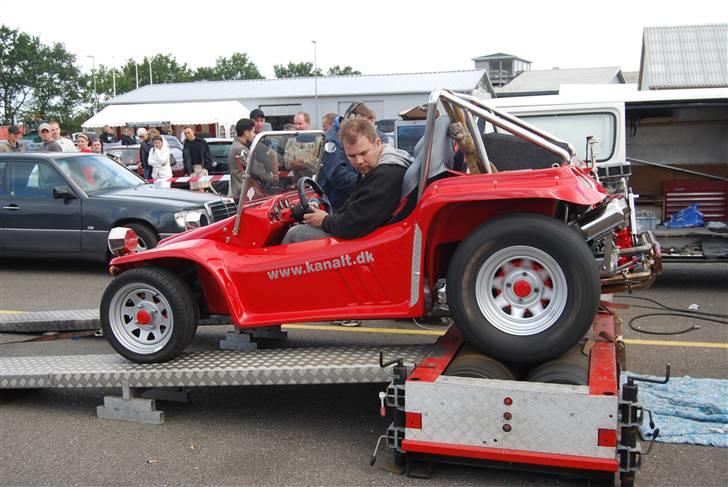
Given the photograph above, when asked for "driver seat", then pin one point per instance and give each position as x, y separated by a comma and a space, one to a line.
442, 162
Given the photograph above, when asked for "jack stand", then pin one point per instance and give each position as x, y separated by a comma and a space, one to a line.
171, 394
130, 407
244, 340
238, 341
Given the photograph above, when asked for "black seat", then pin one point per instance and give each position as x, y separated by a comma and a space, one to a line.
509, 153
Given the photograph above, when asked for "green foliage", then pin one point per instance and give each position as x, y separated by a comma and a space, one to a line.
342, 71
236, 67
296, 70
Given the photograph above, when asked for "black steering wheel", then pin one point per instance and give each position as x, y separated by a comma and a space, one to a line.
304, 206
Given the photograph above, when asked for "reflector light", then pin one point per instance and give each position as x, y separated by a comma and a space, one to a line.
607, 437
413, 420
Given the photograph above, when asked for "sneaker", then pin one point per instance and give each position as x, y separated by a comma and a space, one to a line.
348, 323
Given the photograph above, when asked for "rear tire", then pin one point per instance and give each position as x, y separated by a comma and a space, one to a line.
571, 368
148, 315
523, 288
471, 363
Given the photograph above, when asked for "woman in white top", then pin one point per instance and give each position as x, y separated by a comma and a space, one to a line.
159, 159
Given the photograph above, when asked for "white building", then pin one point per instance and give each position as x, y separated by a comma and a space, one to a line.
219, 104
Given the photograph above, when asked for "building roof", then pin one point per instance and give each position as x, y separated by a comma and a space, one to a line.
499, 55
684, 56
548, 81
381, 84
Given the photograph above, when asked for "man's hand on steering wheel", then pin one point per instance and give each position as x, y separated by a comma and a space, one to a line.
315, 218
301, 210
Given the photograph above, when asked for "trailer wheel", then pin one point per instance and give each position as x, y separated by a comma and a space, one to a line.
570, 368
471, 363
523, 288
148, 315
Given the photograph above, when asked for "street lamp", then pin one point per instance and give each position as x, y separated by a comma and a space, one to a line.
315, 82
93, 71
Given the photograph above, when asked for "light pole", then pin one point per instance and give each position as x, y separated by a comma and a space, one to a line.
315, 83
93, 71
136, 70
151, 82
113, 74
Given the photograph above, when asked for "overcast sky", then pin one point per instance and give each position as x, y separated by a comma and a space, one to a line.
373, 36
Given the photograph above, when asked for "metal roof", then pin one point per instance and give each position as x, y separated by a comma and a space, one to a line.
498, 55
684, 56
381, 84
549, 81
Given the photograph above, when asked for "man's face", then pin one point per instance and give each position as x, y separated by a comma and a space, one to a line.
259, 124
13, 138
189, 134
300, 122
55, 131
45, 135
248, 137
364, 154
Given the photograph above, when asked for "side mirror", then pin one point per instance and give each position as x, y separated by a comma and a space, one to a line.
63, 193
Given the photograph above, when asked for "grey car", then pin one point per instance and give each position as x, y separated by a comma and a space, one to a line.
64, 204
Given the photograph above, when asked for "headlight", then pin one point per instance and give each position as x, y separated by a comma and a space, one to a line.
189, 218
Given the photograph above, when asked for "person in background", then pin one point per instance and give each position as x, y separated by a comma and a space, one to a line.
128, 136
144, 147
66, 145
258, 117
196, 158
107, 135
159, 160
301, 152
328, 121
49, 143
96, 146
238, 155
12, 144
83, 143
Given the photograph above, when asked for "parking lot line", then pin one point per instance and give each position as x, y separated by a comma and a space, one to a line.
400, 331
8, 312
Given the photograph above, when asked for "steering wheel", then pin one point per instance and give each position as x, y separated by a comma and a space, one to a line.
304, 206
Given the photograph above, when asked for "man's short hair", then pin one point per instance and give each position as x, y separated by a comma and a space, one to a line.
141, 132
359, 109
329, 118
54, 122
243, 125
13, 130
188, 127
354, 128
256, 113
306, 116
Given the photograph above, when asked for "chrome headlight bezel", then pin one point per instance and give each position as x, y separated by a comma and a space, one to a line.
187, 219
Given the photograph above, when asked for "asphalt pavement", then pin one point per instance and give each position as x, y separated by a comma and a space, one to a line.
299, 435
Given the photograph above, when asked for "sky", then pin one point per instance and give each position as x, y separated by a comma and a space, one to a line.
372, 36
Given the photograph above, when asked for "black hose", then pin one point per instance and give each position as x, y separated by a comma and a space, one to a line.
667, 308
695, 315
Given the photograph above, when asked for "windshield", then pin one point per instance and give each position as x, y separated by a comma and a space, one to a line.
280, 159
127, 156
220, 149
94, 173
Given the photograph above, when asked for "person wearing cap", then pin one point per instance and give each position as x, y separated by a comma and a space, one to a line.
12, 144
145, 146
65, 144
49, 144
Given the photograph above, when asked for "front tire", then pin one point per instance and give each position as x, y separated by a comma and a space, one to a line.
148, 238
148, 315
523, 288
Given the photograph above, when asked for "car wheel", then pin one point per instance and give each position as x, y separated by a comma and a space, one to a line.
523, 288
471, 363
148, 315
148, 238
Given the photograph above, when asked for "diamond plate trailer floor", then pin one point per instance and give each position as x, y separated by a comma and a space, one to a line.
283, 366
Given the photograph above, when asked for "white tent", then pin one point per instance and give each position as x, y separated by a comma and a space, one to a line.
222, 113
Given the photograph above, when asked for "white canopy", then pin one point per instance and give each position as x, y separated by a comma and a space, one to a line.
224, 113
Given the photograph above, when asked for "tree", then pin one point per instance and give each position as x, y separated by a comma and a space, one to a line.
36, 80
342, 71
296, 70
236, 67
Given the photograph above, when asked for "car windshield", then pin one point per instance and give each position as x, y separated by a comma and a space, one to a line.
96, 173
279, 160
219, 149
127, 156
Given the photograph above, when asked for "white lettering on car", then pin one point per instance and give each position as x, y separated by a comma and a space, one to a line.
362, 258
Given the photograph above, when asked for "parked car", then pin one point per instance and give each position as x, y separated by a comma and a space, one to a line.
219, 149
128, 156
175, 147
64, 204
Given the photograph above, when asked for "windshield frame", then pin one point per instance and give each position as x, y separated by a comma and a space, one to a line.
249, 165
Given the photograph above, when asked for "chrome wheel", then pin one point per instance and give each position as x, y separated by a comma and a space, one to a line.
141, 319
521, 290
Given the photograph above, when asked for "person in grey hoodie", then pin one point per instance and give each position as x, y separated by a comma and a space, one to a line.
49, 143
376, 194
